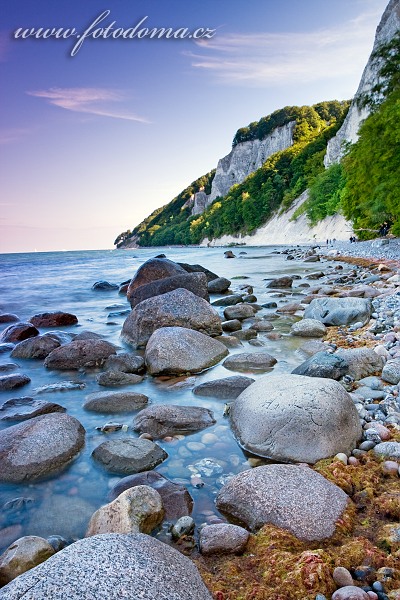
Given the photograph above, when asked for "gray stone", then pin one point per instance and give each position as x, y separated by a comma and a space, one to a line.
263, 326
36, 347
111, 567
308, 328
17, 333
138, 509
340, 311
232, 325
223, 538
53, 319
250, 361
230, 341
312, 347
292, 497
118, 378
323, 364
39, 447
391, 371
104, 286
183, 526
179, 308
218, 285
230, 300
115, 402
21, 409
78, 354
196, 283
280, 282
228, 388
24, 554
290, 418
361, 361
350, 592
177, 350
152, 270
8, 367
160, 420
126, 362
245, 334
13, 381
176, 500
129, 455
388, 450
240, 311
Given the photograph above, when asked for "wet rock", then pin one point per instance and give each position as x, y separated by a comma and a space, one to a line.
239, 311
340, 311
104, 286
8, 318
88, 335
177, 350
60, 386
118, 378
229, 341
228, 388
292, 497
245, 334
323, 364
39, 447
218, 285
342, 577
350, 592
129, 455
293, 418
162, 420
138, 509
308, 328
391, 371
179, 308
21, 409
53, 319
387, 450
79, 353
153, 270
195, 283
232, 325
229, 254
24, 554
12, 382
57, 542
250, 361
198, 269
66, 515
280, 282
36, 347
176, 500
230, 300
8, 367
114, 402
361, 361
138, 563
223, 538
126, 362
263, 326
6, 348
17, 333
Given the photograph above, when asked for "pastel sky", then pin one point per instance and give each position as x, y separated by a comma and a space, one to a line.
91, 144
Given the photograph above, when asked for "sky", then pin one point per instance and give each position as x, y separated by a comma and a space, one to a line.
96, 132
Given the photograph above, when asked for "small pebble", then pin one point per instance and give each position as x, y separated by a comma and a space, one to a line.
353, 461
342, 457
367, 445
378, 587
342, 577
390, 467
145, 436
372, 595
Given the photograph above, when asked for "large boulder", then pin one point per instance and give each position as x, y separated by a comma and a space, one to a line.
323, 364
250, 361
228, 388
125, 362
194, 282
17, 333
218, 285
176, 500
179, 308
129, 455
177, 350
21, 409
199, 269
138, 509
295, 498
80, 353
115, 402
152, 270
53, 319
35, 347
361, 362
290, 418
24, 554
39, 447
160, 420
113, 567
340, 311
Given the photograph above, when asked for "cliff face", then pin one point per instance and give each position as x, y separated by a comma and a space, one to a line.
247, 157
389, 25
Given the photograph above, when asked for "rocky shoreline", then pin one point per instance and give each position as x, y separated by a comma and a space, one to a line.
317, 515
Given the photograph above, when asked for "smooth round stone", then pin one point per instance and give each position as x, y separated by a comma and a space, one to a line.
129, 455
353, 461
342, 457
195, 446
209, 438
390, 467
350, 592
367, 445
342, 577
378, 587
24, 554
223, 538
184, 526
12, 382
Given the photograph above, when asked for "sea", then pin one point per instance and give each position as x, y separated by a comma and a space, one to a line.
37, 282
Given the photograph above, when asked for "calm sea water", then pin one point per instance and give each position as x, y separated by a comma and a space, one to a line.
38, 282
